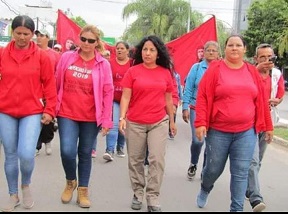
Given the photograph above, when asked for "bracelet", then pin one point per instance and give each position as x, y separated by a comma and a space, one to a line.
121, 118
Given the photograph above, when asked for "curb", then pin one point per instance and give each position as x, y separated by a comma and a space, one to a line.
280, 141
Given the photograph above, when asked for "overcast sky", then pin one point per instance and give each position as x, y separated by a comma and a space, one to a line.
107, 14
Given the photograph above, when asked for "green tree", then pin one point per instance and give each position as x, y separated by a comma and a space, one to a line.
222, 34
268, 23
81, 23
164, 18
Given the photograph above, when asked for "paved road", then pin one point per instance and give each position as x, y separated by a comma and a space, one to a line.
110, 187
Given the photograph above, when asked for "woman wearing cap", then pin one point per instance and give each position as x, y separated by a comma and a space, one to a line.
27, 76
58, 48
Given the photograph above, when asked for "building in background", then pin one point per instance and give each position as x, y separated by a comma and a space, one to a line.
43, 15
240, 21
5, 32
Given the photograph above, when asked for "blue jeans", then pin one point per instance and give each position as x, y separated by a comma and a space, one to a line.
114, 135
239, 147
77, 138
196, 145
253, 190
19, 137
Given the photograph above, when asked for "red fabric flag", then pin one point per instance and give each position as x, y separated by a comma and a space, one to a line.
67, 31
183, 49
110, 48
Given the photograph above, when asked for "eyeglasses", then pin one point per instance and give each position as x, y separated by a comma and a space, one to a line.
90, 41
211, 50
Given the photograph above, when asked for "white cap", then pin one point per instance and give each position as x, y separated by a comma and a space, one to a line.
43, 32
58, 46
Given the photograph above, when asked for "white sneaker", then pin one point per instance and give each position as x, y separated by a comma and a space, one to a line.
48, 148
108, 156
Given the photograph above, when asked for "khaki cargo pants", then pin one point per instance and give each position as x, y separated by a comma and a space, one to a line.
138, 137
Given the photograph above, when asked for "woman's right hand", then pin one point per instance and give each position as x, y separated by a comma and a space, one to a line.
122, 126
201, 133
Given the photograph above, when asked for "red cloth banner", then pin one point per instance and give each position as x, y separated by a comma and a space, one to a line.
67, 31
183, 49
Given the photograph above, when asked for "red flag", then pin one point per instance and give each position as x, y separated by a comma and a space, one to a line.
110, 48
67, 31
183, 49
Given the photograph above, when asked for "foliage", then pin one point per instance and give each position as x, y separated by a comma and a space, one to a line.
268, 23
281, 132
167, 19
222, 34
81, 23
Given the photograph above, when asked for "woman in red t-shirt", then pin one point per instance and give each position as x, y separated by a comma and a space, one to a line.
145, 103
119, 65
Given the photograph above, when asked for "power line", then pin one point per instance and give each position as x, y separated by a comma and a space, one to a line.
9, 7
110, 1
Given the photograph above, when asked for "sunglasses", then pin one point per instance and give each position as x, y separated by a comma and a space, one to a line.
90, 41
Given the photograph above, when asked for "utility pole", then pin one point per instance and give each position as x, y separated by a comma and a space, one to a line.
37, 22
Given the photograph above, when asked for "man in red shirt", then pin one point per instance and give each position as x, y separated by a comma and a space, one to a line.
47, 132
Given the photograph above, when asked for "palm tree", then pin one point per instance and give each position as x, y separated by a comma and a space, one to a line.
164, 18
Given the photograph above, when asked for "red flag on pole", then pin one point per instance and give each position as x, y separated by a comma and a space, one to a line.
183, 49
67, 31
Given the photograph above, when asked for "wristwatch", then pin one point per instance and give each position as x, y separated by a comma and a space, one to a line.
121, 118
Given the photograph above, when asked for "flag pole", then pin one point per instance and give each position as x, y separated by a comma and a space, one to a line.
189, 14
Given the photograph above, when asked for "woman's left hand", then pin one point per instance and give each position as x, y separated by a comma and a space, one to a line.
46, 119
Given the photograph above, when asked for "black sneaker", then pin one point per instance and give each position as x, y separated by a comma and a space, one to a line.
171, 136
258, 206
192, 172
120, 153
136, 204
246, 196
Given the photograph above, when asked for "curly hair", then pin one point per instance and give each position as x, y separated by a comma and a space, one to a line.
163, 58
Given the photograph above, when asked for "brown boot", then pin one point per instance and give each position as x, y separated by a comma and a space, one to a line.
82, 197
68, 191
